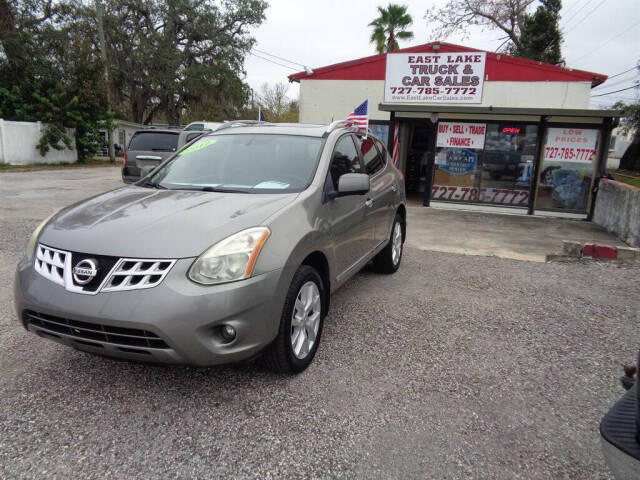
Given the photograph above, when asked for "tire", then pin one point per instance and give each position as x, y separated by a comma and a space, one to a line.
388, 261
281, 356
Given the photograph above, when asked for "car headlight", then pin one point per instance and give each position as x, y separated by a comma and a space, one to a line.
230, 259
33, 241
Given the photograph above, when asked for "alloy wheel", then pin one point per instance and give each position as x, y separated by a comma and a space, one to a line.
305, 320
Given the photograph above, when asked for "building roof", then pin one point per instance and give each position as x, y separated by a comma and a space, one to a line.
499, 67
545, 112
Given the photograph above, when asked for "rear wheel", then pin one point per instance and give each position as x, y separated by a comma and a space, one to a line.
300, 324
388, 260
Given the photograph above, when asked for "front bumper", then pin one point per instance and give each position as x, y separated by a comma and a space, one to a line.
618, 437
185, 315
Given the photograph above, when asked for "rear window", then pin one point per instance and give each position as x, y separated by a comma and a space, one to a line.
154, 141
195, 126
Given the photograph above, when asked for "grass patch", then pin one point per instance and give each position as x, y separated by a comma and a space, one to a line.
91, 163
625, 176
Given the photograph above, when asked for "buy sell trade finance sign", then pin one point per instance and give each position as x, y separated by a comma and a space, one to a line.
461, 135
434, 77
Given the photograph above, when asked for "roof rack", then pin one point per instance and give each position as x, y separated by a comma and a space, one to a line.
346, 124
241, 123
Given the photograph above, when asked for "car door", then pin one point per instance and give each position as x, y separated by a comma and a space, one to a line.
379, 212
352, 236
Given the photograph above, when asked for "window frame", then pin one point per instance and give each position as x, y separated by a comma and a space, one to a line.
382, 154
328, 181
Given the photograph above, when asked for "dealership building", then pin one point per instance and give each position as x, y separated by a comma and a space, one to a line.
475, 127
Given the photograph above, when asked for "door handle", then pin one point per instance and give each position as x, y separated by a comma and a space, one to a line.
394, 188
368, 203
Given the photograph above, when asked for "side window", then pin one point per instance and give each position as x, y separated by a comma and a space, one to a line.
383, 151
191, 136
345, 160
373, 159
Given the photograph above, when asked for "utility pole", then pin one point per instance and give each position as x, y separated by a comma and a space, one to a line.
103, 52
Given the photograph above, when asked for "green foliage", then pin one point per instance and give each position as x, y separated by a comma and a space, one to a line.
535, 36
630, 122
540, 36
52, 74
181, 59
390, 26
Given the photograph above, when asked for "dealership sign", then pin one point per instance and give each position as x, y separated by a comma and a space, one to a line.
570, 145
434, 77
461, 134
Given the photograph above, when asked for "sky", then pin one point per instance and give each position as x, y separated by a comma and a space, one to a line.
601, 36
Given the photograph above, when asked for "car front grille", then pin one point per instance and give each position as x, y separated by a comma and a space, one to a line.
87, 333
112, 274
132, 274
51, 263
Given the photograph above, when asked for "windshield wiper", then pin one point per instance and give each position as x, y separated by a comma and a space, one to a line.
223, 190
151, 184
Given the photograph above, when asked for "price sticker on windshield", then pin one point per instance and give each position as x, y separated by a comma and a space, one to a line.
198, 146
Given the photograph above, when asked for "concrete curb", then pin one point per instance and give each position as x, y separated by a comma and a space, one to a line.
597, 251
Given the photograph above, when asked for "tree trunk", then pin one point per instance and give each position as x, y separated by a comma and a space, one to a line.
631, 158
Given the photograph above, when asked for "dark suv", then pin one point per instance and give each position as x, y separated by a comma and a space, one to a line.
149, 148
620, 431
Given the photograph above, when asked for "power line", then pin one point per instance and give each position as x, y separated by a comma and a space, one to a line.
607, 42
585, 17
619, 82
615, 91
276, 56
636, 67
574, 17
572, 7
273, 61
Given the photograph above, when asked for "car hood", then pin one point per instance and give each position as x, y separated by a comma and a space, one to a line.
146, 223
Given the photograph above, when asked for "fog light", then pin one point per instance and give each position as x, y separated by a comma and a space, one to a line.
228, 333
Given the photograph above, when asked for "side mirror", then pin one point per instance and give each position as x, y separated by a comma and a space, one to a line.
353, 184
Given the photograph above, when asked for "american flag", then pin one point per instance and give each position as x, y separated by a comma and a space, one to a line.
360, 116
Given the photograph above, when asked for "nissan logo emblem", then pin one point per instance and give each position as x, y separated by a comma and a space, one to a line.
85, 271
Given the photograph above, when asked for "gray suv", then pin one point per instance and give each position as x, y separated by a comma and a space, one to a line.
228, 250
149, 148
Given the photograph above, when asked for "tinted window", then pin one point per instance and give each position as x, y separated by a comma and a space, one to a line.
156, 141
345, 160
195, 126
192, 136
373, 160
256, 163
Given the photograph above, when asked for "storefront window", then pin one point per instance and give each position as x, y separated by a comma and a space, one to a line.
490, 163
569, 156
380, 131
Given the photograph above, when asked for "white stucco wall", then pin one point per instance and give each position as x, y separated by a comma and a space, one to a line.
19, 145
322, 100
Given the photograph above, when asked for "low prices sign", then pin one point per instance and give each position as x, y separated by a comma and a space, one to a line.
570, 145
460, 134
502, 196
434, 77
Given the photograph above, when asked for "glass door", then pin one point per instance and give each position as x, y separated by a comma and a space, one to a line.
507, 164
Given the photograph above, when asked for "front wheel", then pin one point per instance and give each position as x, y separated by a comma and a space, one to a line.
388, 260
300, 324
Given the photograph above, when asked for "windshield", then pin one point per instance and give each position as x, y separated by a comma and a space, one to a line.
246, 163
154, 141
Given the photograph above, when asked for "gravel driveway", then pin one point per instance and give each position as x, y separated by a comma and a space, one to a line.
455, 367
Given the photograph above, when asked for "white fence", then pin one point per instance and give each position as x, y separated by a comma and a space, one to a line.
19, 145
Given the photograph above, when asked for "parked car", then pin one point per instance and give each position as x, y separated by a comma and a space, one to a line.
202, 125
148, 148
620, 431
228, 250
